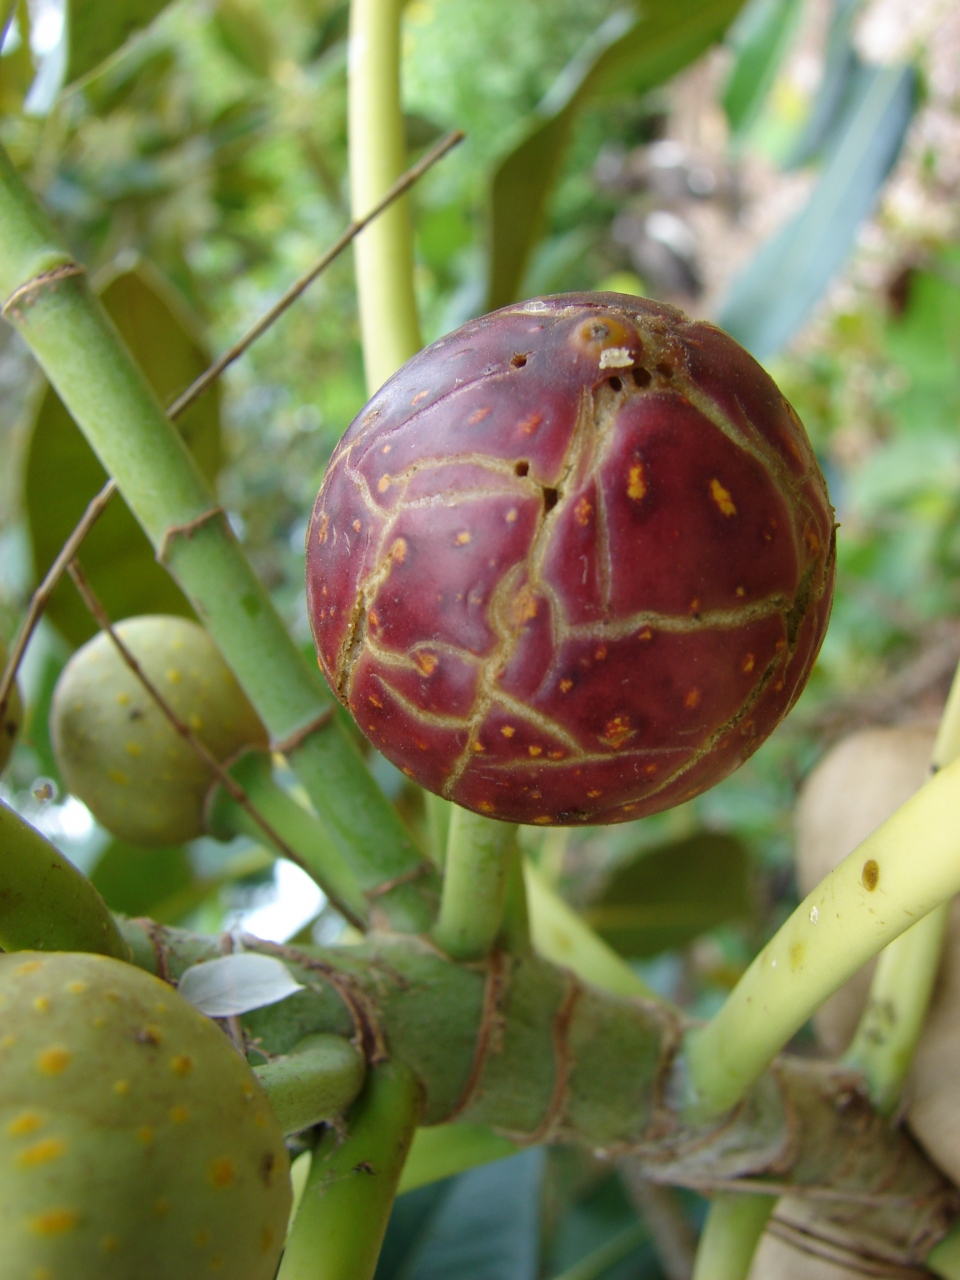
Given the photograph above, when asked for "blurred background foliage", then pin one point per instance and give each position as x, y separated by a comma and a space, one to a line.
790, 168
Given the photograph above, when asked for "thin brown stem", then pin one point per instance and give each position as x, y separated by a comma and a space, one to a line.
41, 596
226, 779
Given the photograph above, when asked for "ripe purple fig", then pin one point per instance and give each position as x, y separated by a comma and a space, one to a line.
572, 563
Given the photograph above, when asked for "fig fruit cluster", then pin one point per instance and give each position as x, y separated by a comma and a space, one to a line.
134, 1140
573, 562
116, 749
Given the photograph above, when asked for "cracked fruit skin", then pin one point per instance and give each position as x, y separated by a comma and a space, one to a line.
572, 563
135, 1143
120, 754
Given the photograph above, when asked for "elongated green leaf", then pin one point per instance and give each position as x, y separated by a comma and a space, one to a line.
626, 54
839, 68
673, 893
760, 37
769, 301
63, 474
97, 28
135, 881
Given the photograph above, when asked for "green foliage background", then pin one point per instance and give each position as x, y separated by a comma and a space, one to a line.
209, 155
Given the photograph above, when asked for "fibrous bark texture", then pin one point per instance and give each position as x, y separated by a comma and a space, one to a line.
573, 563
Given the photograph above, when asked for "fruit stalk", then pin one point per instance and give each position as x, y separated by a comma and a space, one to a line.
474, 884
887, 1036
522, 1047
317, 1080
908, 867
339, 1226
47, 300
730, 1236
45, 903
384, 252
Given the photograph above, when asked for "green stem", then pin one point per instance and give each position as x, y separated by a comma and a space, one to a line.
909, 866
474, 884
607, 1255
944, 1259
560, 935
445, 1149
734, 1225
896, 1010
45, 903
384, 252
316, 1081
352, 1183
82, 354
305, 836
515, 933
439, 812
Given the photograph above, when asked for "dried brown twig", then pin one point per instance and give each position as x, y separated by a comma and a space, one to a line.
229, 783
41, 596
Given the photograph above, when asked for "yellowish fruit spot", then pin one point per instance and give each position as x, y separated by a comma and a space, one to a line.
721, 497
478, 415
196, 723
542, 820
427, 662
636, 482
692, 698
477, 746
110, 1244
42, 1004
511, 515
508, 731
161, 1207
594, 792
202, 1238
463, 538
535, 750
41, 1273
216, 1262
133, 749
870, 875
222, 1172
398, 552
146, 1134
26, 1122
54, 1222
118, 776
260, 1120
123, 699
566, 686
383, 484
76, 988
524, 606
31, 966
582, 512
485, 806
54, 1060
748, 663
178, 1115
41, 1152
173, 676
121, 1087
617, 731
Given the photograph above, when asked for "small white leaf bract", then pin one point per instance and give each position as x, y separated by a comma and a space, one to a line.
236, 984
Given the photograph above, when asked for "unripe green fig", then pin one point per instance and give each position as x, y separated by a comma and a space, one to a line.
857, 785
135, 1143
12, 716
116, 749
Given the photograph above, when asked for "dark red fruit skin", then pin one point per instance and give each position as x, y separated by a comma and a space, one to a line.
572, 563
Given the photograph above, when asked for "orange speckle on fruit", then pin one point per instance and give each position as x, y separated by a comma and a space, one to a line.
694, 604
524, 606
178, 1115
41, 1152
161, 1207
42, 1004
535, 750
146, 1134
76, 988
222, 1171
692, 698
386, 448
463, 538
485, 806
594, 792
54, 1061
216, 1262
121, 1087
748, 663
721, 497
741, 592
477, 746
511, 515
812, 541
530, 423
508, 730
133, 749
374, 618
110, 1244
202, 1238
650, 769
30, 966
123, 699
636, 482
566, 686
383, 484
645, 634
260, 1120
26, 1122
478, 415
617, 731
556, 755
542, 819
398, 552
173, 676
582, 512
374, 700
322, 531
421, 395
601, 653
427, 662
54, 1222
118, 776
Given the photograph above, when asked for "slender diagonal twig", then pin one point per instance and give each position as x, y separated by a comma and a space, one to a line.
41, 596
229, 783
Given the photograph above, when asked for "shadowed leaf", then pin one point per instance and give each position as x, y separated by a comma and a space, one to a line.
97, 28
760, 38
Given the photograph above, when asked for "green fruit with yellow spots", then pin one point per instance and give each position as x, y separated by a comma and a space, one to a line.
116, 749
135, 1143
12, 715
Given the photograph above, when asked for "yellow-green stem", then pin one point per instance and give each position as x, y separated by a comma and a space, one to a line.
384, 252
316, 1080
889, 1030
909, 866
730, 1236
352, 1183
474, 884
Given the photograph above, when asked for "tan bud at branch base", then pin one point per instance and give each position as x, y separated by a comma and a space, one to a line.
775, 1259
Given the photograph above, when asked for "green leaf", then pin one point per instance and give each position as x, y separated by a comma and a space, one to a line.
63, 474
760, 38
769, 301
669, 896
135, 881
839, 68
245, 35
97, 28
625, 55
16, 68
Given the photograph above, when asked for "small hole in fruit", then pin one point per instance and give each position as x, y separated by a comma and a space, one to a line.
519, 360
550, 497
615, 384
521, 468
641, 376
665, 369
